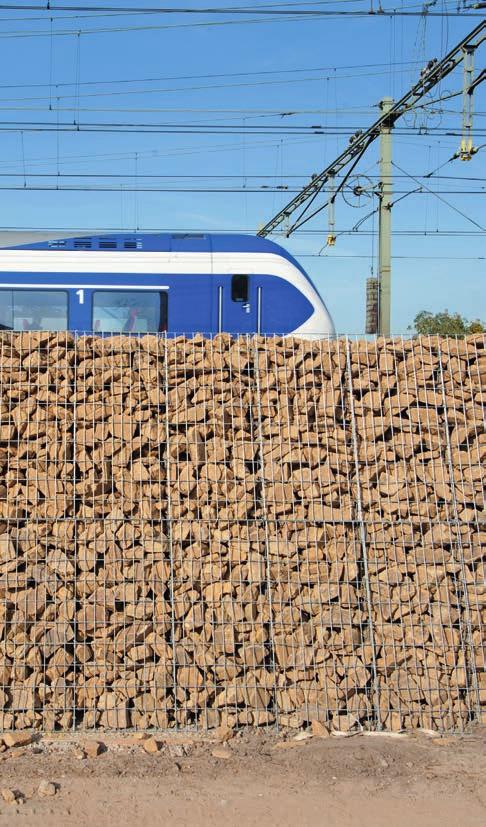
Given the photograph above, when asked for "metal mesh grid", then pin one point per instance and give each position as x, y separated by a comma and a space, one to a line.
241, 531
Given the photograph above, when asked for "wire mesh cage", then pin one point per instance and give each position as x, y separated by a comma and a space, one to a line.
259, 531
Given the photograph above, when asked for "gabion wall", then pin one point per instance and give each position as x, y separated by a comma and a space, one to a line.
255, 531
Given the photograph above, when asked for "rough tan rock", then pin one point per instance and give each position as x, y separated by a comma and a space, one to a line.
93, 748
17, 739
319, 729
46, 789
221, 752
151, 745
8, 795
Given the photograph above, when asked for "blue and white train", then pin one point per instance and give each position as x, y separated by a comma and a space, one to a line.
140, 283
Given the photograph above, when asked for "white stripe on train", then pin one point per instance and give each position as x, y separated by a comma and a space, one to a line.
175, 263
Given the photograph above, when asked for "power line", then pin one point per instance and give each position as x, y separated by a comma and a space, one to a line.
212, 129
408, 233
141, 10
276, 9
63, 16
229, 114
261, 8
281, 9
196, 176
447, 203
213, 75
412, 258
177, 151
209, 87
262, 190
174, 151
287, 18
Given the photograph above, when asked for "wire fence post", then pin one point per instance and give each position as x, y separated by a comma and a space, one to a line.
265, 516
168, 526
362, 531
471, 666
75, 522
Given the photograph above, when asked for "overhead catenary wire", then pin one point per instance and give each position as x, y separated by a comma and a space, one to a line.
229, 114
131, 187
407, 233
262, 11
287, 18
198, 176
177, 151
210, 87
212, 129
281, 9
439, 196
406, 258
120, 11
419, 190
433, 75
262, 8
212, 75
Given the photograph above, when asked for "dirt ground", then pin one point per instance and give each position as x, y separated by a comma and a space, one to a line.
252, 779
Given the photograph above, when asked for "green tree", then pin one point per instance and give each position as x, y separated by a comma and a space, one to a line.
445, 324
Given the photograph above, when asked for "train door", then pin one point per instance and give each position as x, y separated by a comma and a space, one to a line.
237, 303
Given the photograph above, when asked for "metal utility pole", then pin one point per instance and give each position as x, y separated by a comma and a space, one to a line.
384, 231
467, 149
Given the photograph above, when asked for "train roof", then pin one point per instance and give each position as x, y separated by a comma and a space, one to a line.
150, 242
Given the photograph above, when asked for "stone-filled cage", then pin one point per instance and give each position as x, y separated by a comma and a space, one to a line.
251, 531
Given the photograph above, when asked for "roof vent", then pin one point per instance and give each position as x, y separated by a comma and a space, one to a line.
82, 244
107, 244
56, 243
132, 244
188, 235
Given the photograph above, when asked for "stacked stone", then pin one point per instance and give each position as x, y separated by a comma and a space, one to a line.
241, 531
319, 618
421, 443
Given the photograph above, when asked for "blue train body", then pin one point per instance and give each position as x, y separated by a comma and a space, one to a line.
179, 283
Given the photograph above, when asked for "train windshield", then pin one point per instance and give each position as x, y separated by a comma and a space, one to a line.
129, 311
33, 310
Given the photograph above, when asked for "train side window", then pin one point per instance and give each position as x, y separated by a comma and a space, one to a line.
129, 311
33, 310
6, 315
239, 288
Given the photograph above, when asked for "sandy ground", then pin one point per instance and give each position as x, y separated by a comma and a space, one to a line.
258, 779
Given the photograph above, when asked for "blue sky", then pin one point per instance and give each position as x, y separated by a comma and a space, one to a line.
330, 72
